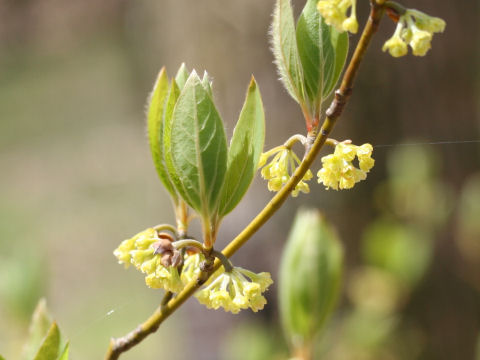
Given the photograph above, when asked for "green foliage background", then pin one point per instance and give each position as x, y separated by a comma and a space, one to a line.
77, 178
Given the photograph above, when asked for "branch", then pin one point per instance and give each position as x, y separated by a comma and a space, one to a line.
119, 345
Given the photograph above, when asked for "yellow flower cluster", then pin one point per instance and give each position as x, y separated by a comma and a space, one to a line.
338, 172
335, 14
416, 29
279, 170
139, 251
235, 290
191, 267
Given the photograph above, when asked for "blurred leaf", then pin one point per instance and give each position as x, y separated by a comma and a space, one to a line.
197, 148
2, 358
253, 342
468, 224
412, 163
368, 330
65, 352
403, 251
322, 52
245, 149
155, 129
39, 326
23, 281
375, 290
182, 76
285, 50
310, 274
50, 347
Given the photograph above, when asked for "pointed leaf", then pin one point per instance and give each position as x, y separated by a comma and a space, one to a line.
173, 95
65, 352
339, 43
322, 52
197, 148
155, 129
182, 76
50, 346
207, 83
39, 326
285, 51
245, 149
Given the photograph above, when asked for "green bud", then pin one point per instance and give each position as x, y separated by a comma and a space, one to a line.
310, 274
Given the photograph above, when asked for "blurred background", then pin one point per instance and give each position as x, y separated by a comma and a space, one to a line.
77, 178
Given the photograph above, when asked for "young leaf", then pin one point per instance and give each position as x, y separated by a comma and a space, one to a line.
155, 129
182, 76
172, 98
50, 346
64, 355
39, 326
197, 149
285, 51
245, 150
207, 83
339, 42
322, 51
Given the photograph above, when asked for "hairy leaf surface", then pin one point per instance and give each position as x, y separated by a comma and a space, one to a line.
322, 52
285, 51
155, 129
197, 149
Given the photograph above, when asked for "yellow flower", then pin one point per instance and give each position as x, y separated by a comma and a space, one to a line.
364, 155
395, 45
191, 267
140, 252
334, 13
279, 170
416, 29
350, 24
421, 42
123, 251
338, 172
235, 290
427, 23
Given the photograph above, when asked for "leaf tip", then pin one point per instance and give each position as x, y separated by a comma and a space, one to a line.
162, 73
253, 83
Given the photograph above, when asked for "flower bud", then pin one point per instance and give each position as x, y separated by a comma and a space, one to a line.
310, 274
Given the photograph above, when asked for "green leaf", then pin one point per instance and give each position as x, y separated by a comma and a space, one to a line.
245, 150
285, 51
182, 76
173, 95
65, 352
207, 83
156, 111
310, 274
39, 326
196, 143
2, 358
50, 346
322, 52
339, 43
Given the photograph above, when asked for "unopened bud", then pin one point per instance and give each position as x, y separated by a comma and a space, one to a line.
310, 274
